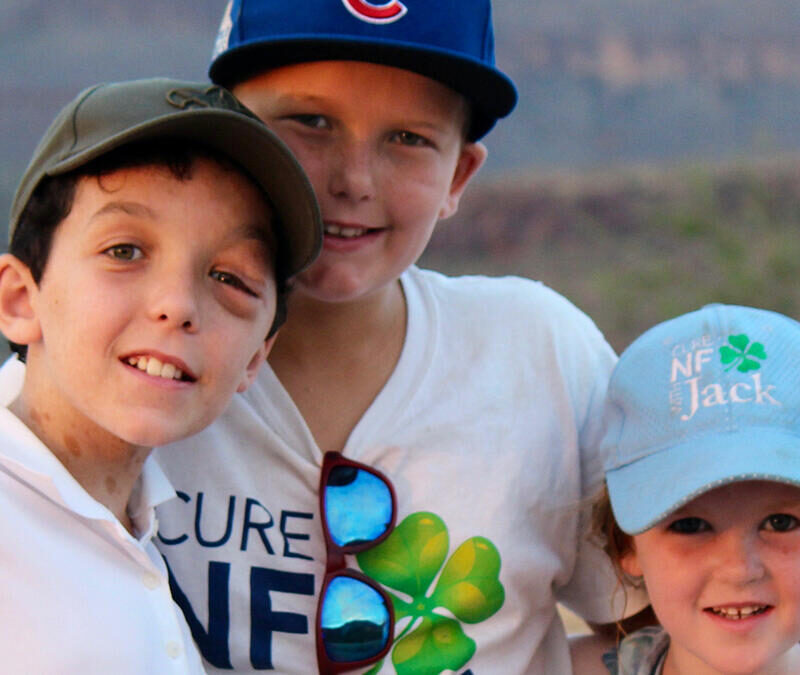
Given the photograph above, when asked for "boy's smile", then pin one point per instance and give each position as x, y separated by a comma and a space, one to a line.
724, 575
166, 367
153, 307
384, 150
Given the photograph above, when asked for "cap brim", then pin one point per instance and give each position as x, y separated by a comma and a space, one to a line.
250, 145
646, 491
491, 93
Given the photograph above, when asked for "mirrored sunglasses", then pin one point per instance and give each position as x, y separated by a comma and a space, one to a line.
355, 617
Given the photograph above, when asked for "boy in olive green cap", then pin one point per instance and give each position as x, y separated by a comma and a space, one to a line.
151, 239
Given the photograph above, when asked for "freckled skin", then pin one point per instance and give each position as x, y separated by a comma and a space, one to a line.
35, 416
723, 550
384, 150
144, 263
72, 445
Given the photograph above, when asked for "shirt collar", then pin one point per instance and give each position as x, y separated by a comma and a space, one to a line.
152, 489
24, 455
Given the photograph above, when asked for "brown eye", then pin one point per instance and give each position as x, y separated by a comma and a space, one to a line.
124, 252
312, 121
232, 280
691, 525
411, 139
780, 522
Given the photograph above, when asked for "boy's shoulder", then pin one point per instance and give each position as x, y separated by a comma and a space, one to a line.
500, 288
506, 299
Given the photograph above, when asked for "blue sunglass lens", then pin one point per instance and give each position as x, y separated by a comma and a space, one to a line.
355, 620
358, 506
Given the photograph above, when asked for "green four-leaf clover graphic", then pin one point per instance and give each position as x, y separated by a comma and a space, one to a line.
468, 587
742, 353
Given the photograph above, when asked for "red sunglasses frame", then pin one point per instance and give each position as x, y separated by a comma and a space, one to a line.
336, 565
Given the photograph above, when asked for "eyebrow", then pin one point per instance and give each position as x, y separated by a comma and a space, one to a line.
304, 97
129, 208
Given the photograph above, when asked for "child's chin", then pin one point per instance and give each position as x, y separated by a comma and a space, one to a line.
152, 436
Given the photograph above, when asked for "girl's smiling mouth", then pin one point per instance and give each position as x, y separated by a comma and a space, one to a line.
738, 613
158, 368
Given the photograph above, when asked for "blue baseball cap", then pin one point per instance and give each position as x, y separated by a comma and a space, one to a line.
709, 398
450, 41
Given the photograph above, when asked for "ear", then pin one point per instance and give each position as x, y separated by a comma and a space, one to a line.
255, 363
18, 319
471, 158
629, 562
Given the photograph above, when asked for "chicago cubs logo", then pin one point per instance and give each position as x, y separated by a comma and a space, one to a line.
374, 13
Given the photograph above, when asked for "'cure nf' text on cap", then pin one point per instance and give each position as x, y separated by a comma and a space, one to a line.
708, 398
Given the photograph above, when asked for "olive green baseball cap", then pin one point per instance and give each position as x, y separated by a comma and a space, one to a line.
107, 116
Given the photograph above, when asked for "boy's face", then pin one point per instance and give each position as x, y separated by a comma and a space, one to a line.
149, 277
723, 574
384, 150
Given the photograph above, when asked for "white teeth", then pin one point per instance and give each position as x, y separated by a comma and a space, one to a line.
737, 613
152, 366
347, 232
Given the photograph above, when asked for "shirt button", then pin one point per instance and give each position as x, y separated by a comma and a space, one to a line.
173, 649
151, 581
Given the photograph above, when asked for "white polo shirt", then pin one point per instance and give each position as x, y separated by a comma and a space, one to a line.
78, 593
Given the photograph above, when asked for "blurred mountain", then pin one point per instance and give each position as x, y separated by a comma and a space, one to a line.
602, 82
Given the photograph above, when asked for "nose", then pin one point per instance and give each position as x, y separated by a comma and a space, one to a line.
739, 559
175, 302
352, 171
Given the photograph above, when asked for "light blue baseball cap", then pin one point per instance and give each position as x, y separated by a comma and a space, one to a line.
708, 398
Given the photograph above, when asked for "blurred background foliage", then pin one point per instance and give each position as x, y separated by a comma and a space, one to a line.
636, 246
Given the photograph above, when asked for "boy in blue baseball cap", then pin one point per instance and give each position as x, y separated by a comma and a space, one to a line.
703, 499
475, 398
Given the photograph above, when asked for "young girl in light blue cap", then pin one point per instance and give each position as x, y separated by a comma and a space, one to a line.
703, 475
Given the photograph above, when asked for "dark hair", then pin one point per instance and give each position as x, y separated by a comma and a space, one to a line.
616, 543
52, 200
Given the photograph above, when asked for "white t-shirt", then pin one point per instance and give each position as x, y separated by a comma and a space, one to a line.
481, 428
78, 593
